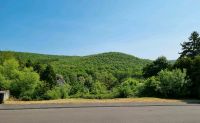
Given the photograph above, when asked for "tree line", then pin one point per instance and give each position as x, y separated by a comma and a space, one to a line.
186, 83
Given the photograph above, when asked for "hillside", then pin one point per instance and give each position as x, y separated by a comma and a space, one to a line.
110, 68
105, 75
109, 61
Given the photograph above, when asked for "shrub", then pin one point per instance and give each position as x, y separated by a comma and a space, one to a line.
173, 83
151, 87
58, 92
53, 94
78, 88
128, 88
98, 88
107, 78
40, 91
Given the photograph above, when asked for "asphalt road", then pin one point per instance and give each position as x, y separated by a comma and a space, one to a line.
183, 113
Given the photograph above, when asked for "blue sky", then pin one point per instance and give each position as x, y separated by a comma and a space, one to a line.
144, 28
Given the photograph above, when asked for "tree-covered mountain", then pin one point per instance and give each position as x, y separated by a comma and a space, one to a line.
93, 74
112, 62
31, 76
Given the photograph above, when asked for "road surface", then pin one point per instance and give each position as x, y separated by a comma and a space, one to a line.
127, 113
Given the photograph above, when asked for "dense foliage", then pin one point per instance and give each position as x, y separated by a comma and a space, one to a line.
173, 83
31, 76
92, 76
191, 48
21, 82
156, 66
190, 60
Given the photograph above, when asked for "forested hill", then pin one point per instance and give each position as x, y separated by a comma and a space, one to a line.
112, 62
31, 76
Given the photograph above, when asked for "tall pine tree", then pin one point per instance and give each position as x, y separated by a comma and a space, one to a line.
190, 60
191, 48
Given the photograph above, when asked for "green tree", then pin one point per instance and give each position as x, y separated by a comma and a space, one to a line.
189, 60
89, 81
191, 48
38, 68
5, 56
128, 88
29, 63
58, 92
107, 78
156, 66
49, 76
10, 69
151, 87
194, 75
8, 73
173, 83
78, 89
98, 88
4, 84
24, 85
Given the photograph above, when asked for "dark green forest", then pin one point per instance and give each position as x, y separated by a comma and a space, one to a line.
31, 76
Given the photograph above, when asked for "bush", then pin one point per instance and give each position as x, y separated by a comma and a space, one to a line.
78, 88
40, 91
98, 88
128, 88
173, 83
107, 78
151, 87
53, 94
58, 92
